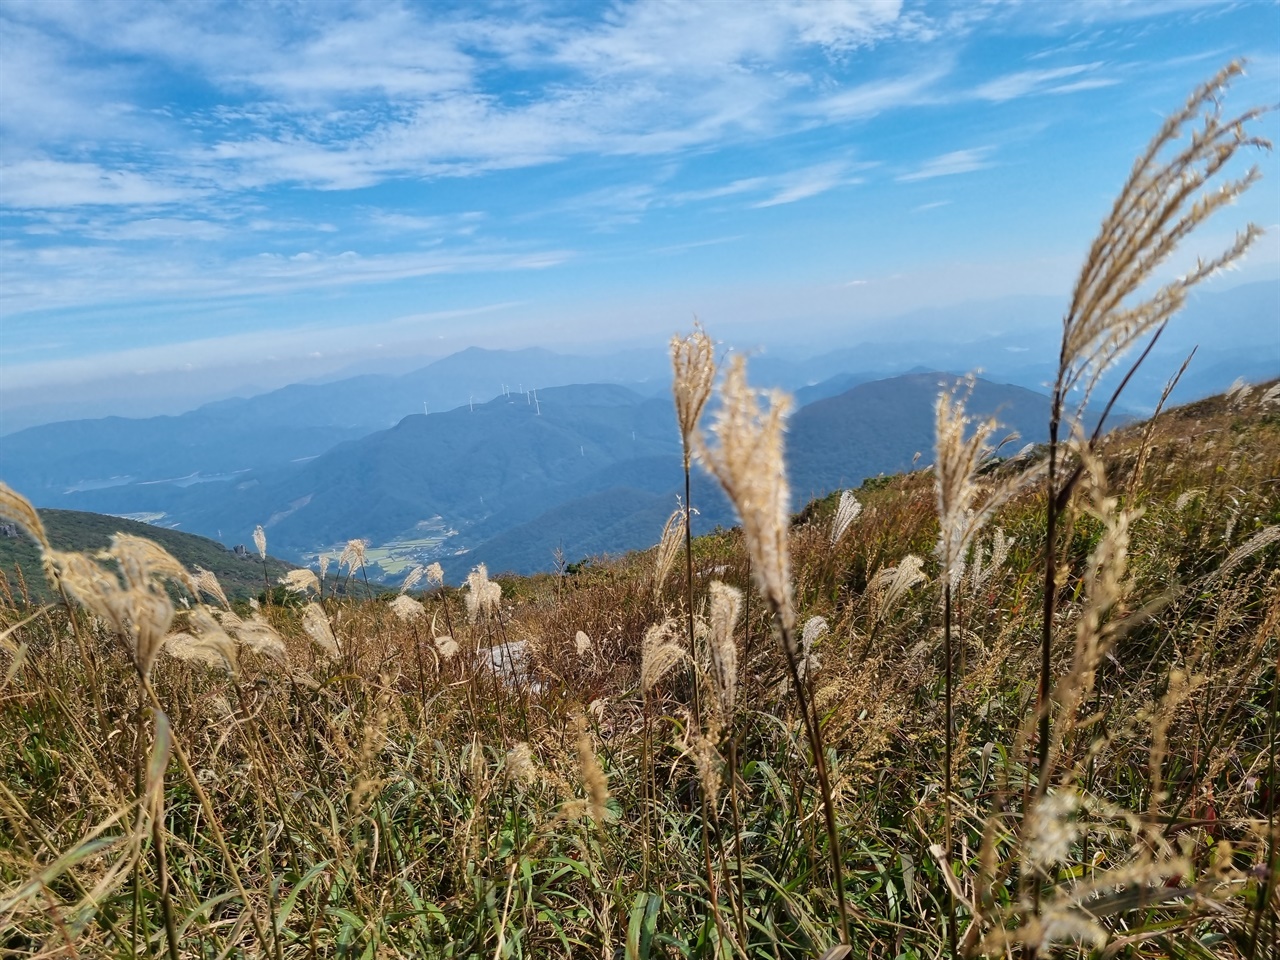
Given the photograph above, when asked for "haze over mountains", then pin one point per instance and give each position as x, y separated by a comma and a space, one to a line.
523, 452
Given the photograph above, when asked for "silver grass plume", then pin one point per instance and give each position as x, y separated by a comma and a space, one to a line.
594, 781
748, 461
582, 643
960, 514
407, 608
1159, 205
316, 626
815, 628
256, 634
435, 575
205, 641
300, 581
893, 583
413, 578
324, 562
483, 595
132, 599
983, 566
260, 541
725, 604
659, 653
353, 555
846, 512
694, 367
668, 548
207, 583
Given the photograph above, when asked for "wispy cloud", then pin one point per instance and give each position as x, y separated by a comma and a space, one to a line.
1024, 83
950, 164
54, 183
809, 183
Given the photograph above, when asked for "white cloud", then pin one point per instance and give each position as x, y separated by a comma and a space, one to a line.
69, 275
55, 183
950, 164
1011, 86
809, 183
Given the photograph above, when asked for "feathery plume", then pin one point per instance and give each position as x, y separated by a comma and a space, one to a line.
316, 626
16, 508
1159, 205
447, 647
353, 555
582, 643
132, 601
593, 778
846, 512
207, 583
407, 608
520, 765
748, 461
324, 562
960, 515
260, 541
413, 578
300, 581
483, 595
815, 628
668, 548
256, 634
659, 654
435, 575
206, 642
893, 583
725, 604
693, 363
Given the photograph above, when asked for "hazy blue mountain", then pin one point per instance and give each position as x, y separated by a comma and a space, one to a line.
879, 427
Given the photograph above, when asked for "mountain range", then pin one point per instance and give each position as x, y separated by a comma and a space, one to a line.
523, 453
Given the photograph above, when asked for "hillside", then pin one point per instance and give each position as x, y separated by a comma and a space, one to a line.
240, 576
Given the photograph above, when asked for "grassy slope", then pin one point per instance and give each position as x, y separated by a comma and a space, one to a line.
75, 530
386, 802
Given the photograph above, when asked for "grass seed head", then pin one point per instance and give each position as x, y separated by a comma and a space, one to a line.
316, 626
260, 541
694, 366
725, 603
749, 463
846, 512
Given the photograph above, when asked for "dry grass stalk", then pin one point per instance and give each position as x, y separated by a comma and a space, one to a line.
1160, 204
594, 781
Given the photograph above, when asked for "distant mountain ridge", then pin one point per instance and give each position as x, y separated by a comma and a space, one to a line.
241, 576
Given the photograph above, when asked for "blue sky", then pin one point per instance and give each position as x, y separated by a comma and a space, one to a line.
205, 186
